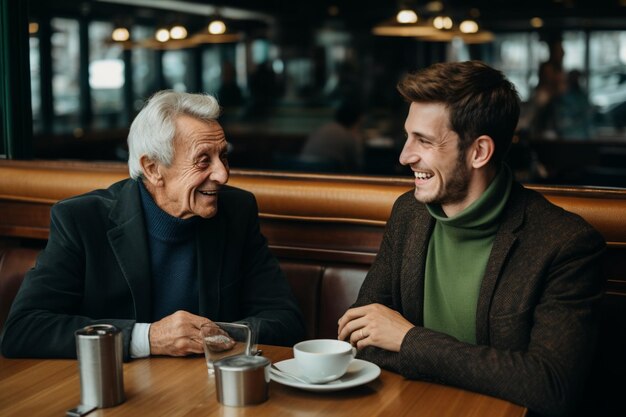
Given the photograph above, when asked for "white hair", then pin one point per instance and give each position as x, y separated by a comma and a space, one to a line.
153, 130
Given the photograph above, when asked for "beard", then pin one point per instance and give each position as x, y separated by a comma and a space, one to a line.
453, 191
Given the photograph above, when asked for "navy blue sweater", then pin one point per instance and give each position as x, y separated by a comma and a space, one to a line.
172, 258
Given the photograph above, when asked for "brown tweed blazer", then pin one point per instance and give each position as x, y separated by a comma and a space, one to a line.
536, 321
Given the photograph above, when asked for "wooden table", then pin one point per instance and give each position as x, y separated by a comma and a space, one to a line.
181, 387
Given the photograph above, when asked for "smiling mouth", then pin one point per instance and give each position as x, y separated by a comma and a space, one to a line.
208, 192
420, 175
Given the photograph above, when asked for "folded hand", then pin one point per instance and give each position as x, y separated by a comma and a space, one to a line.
374, 325
177, 334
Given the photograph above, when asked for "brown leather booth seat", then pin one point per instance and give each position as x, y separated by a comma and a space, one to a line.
324, 293
14, 262
325, 231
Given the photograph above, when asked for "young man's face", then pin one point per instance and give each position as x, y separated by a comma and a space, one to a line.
432, 152
198, 170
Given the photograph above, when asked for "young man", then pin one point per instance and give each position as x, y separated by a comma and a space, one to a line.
479, 282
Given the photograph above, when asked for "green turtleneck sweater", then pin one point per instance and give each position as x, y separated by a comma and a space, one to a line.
457, 257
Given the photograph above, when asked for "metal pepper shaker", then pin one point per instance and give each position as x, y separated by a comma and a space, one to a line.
100, 356
242, 380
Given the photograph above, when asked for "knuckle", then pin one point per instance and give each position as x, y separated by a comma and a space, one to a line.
180, 344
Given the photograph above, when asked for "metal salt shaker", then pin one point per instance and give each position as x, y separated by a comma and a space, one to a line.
100, 355
242, 380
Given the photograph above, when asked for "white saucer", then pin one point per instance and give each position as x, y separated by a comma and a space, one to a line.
359, 372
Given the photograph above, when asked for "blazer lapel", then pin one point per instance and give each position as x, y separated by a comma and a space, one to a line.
210, 240
129, 242
413, 264
504, 241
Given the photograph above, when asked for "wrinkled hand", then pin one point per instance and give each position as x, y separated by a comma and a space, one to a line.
216, 339
177, 334
374, 325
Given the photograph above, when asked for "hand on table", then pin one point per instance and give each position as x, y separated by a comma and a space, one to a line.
374, 325
177, 334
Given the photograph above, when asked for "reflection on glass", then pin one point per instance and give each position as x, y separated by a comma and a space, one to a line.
518, 55
35, 83
574, 49
65, 74
177, 70
106, 77
2, 112
607, 81
211, 63
283, 83
143, 63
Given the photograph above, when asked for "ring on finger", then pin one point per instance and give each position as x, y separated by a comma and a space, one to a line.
361, 334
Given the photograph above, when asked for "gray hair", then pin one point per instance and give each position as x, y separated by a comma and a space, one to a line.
153, 130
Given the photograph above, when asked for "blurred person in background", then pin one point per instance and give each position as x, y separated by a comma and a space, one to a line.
339, 143
229, 94
573, 111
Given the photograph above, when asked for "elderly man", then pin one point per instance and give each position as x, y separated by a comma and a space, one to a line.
159, 254
479, 282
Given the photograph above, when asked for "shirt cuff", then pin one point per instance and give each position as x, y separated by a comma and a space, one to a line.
140, 341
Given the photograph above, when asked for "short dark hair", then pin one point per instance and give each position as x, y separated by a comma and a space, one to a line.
480, 99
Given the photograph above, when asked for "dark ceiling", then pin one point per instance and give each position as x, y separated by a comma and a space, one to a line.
362, 15
493, 12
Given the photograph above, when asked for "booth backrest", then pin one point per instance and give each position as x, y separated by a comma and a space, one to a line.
325, 230
14, 262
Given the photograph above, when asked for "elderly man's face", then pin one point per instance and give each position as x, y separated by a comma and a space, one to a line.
431, 151
199, 168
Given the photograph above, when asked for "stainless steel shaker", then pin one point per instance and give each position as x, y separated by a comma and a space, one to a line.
242, 380
100, 356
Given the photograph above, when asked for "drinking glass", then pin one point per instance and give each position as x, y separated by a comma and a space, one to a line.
254, 334
221, 340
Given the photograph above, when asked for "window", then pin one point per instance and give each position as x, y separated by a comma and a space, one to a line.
65, 75
277, 84
35, 83
106, 78
144, 65
607, 81
3, 139
518, 55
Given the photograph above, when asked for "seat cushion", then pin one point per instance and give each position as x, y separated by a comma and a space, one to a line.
305, 280
14, 263
340, 287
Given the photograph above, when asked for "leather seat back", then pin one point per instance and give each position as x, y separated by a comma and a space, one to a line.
14, 263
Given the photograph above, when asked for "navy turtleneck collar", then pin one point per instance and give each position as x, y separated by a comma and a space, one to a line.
161, 225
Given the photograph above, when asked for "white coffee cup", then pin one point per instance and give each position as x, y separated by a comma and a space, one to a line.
323, 360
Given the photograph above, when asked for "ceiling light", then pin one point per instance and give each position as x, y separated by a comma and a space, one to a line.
162, 35
468, 26
536, 22
406, 16
178, 32
217, 27
120, 34
442, 22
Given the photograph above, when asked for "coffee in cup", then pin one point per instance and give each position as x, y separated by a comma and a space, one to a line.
323, 360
